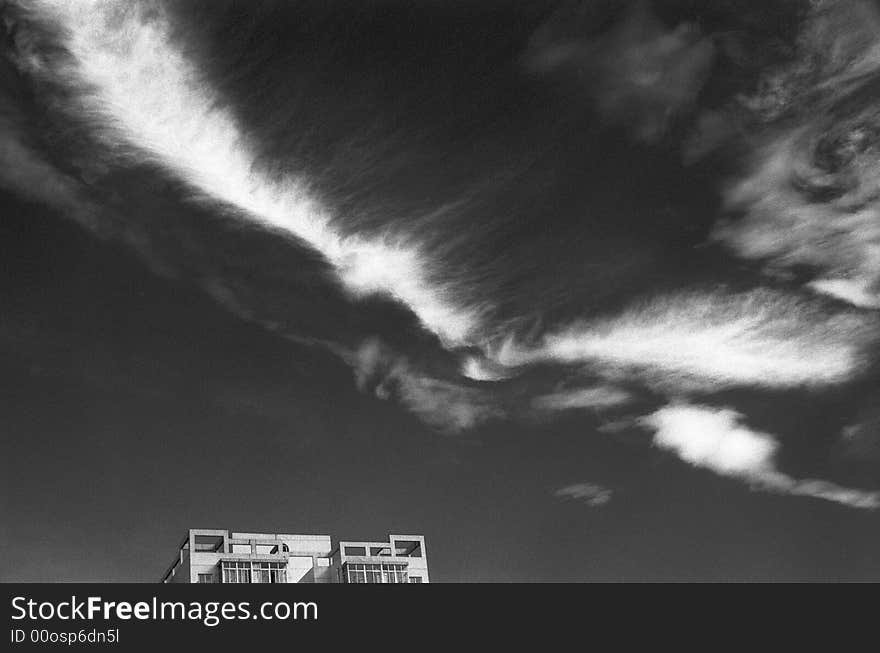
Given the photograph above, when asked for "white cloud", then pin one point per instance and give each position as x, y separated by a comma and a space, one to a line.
716, 439
156, 106
854, 291
590, 493
713, 438
479, 368
152, 98
712, 340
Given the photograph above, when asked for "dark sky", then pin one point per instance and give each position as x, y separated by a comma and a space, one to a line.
525, 279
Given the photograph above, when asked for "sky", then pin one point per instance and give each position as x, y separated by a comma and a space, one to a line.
581, 291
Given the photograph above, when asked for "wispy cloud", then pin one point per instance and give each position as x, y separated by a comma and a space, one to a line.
444, 404
786, 225
593, 398
156, 106
640, 73
23, 169
590, 493
808, 198
150, 103
717, 439
480, 368
711, 341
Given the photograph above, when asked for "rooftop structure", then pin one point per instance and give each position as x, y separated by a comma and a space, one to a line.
224, 556
402, 559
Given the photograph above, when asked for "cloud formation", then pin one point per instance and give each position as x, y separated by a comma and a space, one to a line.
809, 197
717, 439
712, 341
156, 106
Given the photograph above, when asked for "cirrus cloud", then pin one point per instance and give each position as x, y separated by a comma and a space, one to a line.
711, 341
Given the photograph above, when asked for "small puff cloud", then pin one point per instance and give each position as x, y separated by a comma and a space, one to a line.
716, 439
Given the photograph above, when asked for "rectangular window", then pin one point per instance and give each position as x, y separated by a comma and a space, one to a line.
209, 543
260, 572
376, 573
415, 579
278, 574
408, 548
206, 578
393, 573
245, 571
268, 572
355, 550
356, 574
380, 550
236, 571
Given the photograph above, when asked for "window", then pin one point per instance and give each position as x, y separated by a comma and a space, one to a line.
245, 571
356, 574
408, 548
376, 573
209, 543
206, 578
268, 572
393, 573
355, 550
236, 572
415, 579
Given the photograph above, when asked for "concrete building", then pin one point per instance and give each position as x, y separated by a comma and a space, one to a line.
224, 556
402, 559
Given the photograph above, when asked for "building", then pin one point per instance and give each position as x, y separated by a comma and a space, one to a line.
224, 556
402, 559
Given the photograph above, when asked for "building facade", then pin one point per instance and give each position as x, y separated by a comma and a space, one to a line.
402, 559
224, 556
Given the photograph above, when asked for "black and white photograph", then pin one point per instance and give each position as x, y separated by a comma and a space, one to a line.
435, 292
